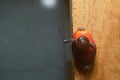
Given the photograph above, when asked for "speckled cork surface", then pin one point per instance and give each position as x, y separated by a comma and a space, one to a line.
102, 19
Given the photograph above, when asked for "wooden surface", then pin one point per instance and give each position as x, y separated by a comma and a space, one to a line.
102, 19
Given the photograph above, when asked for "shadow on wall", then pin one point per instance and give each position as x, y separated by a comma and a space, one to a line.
68, 32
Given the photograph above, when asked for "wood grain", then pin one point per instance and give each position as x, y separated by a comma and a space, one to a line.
102, 19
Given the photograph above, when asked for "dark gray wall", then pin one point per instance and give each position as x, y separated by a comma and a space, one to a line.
31, 46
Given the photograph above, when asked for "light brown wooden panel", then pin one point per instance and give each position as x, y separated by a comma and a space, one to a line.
102, 19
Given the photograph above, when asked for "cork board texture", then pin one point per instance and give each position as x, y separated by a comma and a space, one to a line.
102, 19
